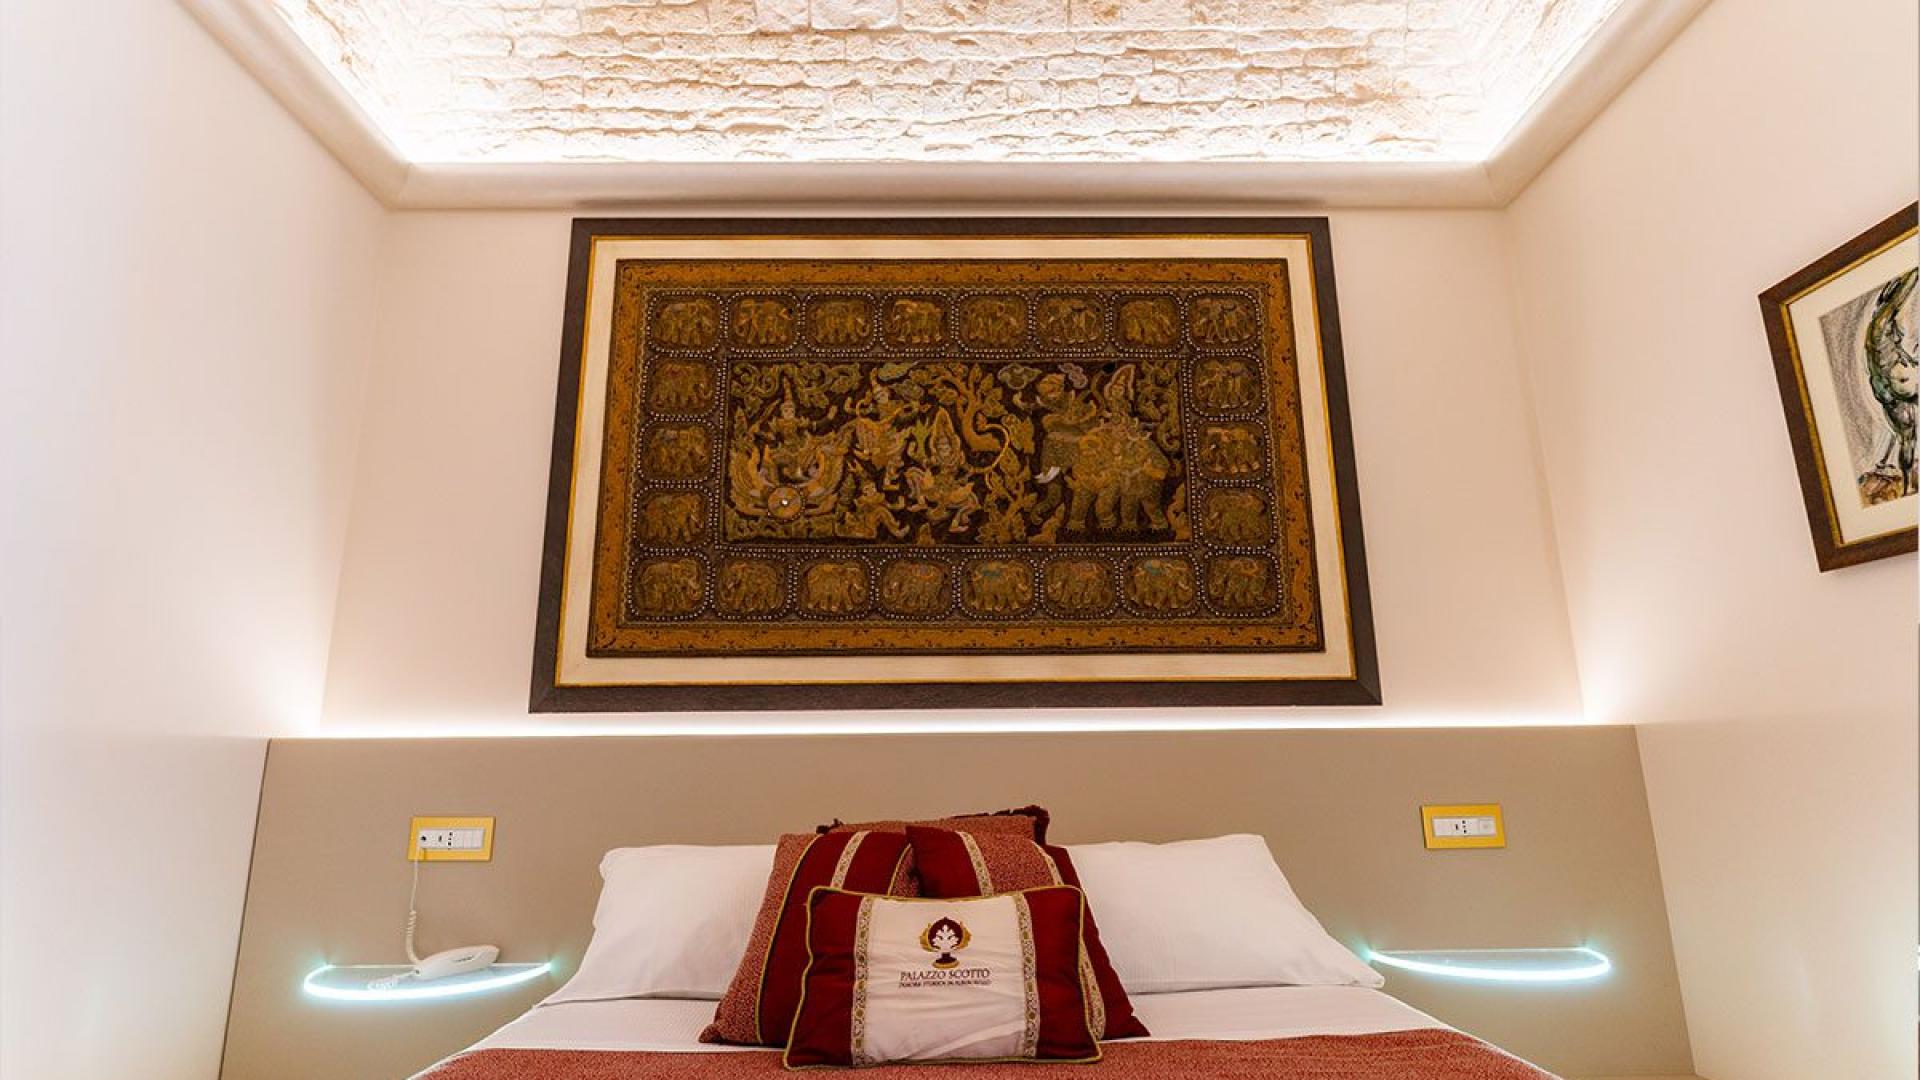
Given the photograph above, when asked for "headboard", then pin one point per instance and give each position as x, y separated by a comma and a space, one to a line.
1340, 808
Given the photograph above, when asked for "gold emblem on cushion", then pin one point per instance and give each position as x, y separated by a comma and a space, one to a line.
677, 453
914, 587
833, 588
1151, 323
1239, 582
1160, 584
998, 586
688, 324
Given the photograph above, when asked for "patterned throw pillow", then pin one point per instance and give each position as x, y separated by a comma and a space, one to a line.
953, 864
757, 1009
1028, 821
987, 979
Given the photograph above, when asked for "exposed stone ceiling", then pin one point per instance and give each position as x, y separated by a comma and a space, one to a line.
480, 81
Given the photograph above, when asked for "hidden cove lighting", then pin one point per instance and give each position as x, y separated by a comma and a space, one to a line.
355, 982
1534, 966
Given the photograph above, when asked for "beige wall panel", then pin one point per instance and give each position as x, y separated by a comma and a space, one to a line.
1340, 809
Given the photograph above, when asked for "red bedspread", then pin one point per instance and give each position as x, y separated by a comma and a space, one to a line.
1396, 1055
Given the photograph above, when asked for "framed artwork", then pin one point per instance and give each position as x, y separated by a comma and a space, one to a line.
1844, 339
951, 463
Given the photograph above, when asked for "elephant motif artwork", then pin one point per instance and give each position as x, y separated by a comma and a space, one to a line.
953, 458
977, 463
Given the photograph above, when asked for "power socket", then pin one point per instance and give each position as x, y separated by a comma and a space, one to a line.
443, 839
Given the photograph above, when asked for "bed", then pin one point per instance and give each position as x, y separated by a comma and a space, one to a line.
1270, 1032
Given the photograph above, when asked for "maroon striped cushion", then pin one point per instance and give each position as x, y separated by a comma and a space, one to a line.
947, 863
758, 1007
842, 1016
1028, 821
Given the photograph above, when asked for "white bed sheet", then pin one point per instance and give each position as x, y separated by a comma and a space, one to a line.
1264, 1012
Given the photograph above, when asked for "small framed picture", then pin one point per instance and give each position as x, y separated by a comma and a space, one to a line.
1846, 348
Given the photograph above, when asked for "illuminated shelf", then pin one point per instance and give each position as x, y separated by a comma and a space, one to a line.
355, 982
1500, 965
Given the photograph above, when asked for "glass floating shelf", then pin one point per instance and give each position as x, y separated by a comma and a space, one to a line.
1500, 965
357, 982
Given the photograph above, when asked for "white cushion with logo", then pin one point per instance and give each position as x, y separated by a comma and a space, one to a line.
941, 996
1208, 914
672, 922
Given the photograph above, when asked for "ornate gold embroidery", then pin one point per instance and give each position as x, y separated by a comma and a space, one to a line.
840, 868
688, 324
862, 933
982, 877
1095, 456
1029, 978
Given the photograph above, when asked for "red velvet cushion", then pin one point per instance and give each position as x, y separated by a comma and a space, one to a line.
949, 863
1028, 821
757, 1009
943, 980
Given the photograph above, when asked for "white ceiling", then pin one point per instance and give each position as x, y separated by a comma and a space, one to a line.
927, 105
531, 81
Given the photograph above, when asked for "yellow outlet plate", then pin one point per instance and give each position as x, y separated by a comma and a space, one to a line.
484, 853
1450, 835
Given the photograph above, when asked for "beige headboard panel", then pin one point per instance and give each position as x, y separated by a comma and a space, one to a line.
1340, 809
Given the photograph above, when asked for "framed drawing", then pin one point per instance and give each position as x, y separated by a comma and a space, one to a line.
951, 463
1844, 339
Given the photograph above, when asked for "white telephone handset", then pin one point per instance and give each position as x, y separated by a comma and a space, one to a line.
443, 964
455, 962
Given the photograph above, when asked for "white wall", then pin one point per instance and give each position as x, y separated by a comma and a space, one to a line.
185, 316
1780, 753
437, 598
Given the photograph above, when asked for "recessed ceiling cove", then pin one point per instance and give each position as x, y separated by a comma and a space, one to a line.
544, 81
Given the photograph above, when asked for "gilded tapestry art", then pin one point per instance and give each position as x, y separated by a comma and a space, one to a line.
952, 456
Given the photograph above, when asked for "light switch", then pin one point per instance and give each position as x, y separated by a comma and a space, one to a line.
450, 839
1477, 825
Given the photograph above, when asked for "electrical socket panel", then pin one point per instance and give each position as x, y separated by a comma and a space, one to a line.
450, 839
1472, 825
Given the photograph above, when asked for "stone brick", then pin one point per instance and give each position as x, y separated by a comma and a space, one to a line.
778, 15
970, 15
855, 14
473, 80
1131, 13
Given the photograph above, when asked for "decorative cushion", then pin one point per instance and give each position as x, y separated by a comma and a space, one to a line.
1028, 821
988, 979
953, 864
757, 1009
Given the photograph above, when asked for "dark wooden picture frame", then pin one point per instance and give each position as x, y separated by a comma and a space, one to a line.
1830, 548
548, 694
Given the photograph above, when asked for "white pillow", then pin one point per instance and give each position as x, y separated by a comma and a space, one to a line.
1207, 914
672, 922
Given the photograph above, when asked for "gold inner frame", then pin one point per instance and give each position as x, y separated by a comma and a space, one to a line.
1294, 626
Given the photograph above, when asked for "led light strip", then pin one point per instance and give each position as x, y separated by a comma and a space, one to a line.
1582, 964
507, 975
